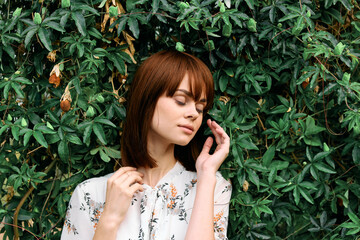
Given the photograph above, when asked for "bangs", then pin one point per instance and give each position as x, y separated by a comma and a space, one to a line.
200, 78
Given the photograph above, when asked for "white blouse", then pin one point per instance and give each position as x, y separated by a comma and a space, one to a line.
161, 213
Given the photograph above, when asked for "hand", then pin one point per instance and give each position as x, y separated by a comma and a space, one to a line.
121, 187
209, 164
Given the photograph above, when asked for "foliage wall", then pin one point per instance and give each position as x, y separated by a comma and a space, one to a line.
287, 92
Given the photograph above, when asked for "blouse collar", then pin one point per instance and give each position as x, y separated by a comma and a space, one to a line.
169, 176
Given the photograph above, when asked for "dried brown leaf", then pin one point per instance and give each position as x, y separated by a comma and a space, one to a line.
56, 70
52, 56
53, 79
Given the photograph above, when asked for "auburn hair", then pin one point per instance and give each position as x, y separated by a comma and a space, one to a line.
161, 74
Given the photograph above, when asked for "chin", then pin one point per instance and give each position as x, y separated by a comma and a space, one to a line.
183, 143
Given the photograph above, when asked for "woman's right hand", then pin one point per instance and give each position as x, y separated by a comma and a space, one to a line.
121, 187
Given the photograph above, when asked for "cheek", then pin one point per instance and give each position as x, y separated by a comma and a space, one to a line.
198, 122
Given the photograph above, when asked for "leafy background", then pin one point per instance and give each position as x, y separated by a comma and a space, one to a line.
287, 92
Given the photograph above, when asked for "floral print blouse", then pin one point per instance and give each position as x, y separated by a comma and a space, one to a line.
161, 213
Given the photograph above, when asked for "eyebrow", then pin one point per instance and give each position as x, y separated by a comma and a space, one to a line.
190, 95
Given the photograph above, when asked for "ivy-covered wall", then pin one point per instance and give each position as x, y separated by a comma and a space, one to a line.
287, 92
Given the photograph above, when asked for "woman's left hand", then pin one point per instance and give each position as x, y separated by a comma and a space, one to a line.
208, 163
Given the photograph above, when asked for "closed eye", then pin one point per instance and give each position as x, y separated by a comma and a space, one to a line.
183, 100
180, 102
200, 108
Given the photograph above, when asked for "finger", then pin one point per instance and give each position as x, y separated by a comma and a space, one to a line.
223, 140
121, 171
136, 187
221, 132
207, 145
119, 179
216, 130
130, 180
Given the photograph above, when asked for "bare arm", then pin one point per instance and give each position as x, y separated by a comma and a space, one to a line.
201, 224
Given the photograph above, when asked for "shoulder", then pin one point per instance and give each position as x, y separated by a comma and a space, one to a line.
222, 185
95, 187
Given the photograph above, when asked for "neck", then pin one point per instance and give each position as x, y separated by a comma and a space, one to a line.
165, 161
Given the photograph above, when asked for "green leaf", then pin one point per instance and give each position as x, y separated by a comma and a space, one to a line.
266, 209
345, 79
17, 12
253, 177
320, 155
99, 132
180, 47
250, 4
353, 231
339, 48
3, 129
314, 172
56, 26
355, 154
324, 168
74, 139
40, 138
10, 51
247, 145
268, 156
45, 38
113, 11
311, 128
94, 151
223, 82
15, 132
63, 150
347, 4
354, 218
37, 19
104, 121
288, 16
306, 195
296, 195
45, 129
227, 30
251, 24
112, 152
134, 26
30, 35
279, 165
118, 63
72, 181
27, 137
87, 134
209, 45
17, 88
6, 89
22, 80
65, 3
103, 156
80, 22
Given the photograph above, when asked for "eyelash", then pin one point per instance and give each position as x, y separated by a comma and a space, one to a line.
183, 104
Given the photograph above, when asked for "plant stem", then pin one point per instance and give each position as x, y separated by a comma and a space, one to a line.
27, 194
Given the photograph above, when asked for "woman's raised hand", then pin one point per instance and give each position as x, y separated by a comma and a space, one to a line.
208, 163
121, 187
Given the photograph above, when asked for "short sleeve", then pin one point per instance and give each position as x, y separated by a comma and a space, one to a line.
78, 223
221, 206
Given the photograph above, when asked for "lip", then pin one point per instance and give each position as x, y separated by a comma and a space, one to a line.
187, 128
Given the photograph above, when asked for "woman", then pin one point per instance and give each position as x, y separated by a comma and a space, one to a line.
157, 194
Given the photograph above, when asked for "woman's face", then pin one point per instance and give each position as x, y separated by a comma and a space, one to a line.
176, 119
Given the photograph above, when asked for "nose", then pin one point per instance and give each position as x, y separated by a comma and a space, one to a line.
192, 112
